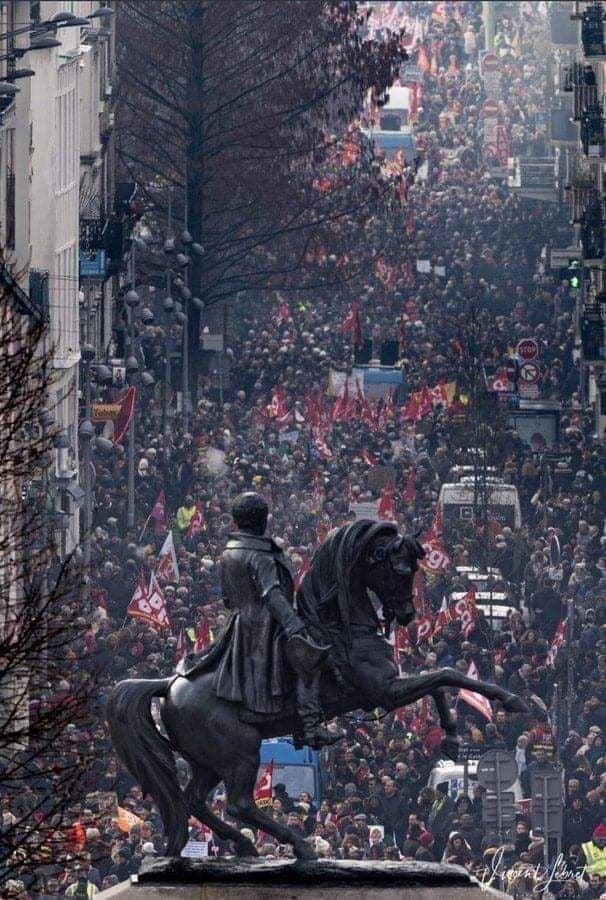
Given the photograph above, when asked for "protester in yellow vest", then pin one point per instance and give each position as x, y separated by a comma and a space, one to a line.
595, 852
185, 514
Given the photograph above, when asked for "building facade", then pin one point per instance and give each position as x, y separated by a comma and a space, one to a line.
56, 189
577, 130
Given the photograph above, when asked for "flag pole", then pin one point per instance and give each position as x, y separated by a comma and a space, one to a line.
144, 527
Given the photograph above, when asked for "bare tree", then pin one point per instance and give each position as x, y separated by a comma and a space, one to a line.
45, 674
240, 108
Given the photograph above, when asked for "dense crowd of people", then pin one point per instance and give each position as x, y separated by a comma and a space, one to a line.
256, 432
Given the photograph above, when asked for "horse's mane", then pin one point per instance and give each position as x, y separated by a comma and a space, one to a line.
331, 568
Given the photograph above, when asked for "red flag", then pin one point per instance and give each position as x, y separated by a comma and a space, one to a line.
196, 522
321, 445
423, 63
340, 410
409, 490
464, 610
368, 458
122, 421
302, 572
168, 570
156, 600
158, 513
148, 604
424, 629
411, 410
284, 312
386, 510
277, 408
443, 617
264, 786
181, 648
352, 323
557, 642
203, 636
425, 404
437, 558
478, 701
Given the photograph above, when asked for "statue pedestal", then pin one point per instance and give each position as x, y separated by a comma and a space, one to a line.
325, 879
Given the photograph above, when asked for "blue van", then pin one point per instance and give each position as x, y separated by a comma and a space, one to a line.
299, 770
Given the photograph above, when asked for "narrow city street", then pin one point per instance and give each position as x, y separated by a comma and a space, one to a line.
304, 401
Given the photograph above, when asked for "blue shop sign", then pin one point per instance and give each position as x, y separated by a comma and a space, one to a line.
92, 264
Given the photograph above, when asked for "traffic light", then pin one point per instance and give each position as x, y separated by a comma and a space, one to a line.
574, 274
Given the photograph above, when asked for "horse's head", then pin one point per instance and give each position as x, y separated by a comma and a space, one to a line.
391, 563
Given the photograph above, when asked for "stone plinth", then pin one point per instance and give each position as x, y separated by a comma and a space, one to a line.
325, 879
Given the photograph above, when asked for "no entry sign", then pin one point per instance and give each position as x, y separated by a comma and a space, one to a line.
528, 349
490, 63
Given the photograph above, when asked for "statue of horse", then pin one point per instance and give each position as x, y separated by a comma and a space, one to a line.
360, 569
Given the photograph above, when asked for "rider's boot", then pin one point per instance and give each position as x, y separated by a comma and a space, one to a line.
310, 713
304, 655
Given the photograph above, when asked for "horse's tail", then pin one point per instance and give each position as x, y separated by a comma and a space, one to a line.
147, 754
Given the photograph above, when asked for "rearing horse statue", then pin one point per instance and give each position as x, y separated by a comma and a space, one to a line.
360, 569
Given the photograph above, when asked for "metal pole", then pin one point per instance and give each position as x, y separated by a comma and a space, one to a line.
569, 663
489, 24
130, 512
167, 339
185, 365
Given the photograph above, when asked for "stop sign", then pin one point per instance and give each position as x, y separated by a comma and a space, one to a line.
490, 109
490, 63
528, 349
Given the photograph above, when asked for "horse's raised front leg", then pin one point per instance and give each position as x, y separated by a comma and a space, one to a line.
240, 783
404, 691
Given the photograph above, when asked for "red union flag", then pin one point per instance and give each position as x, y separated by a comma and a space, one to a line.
168, 570
264, 786
283, 312
158, 513
352, 323
203, 636
437, 558
385, 509
155, 599
302, 572
196, 521
321, 446
424, 629
139, 606
478, 701
464, 610
181, 648
557, 642
127, 409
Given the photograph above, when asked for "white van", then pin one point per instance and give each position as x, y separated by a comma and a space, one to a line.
457, 502
453, 773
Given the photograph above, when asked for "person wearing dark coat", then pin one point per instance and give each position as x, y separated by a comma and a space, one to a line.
577, 823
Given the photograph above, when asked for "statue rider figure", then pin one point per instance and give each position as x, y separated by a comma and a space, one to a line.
268, 651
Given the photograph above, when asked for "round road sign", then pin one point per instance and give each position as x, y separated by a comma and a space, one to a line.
497, 769
490, 63
490, 109
530, 373
528, 349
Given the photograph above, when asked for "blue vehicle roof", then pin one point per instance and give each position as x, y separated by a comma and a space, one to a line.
283, 751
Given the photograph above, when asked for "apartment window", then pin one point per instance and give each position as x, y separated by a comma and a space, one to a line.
9, 192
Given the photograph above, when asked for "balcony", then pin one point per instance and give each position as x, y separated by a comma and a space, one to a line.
592, 232
592, 31
592, 131
534, 178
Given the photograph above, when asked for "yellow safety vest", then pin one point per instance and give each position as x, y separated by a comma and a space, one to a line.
595, 858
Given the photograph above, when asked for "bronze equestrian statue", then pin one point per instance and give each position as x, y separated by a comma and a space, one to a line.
274, 672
